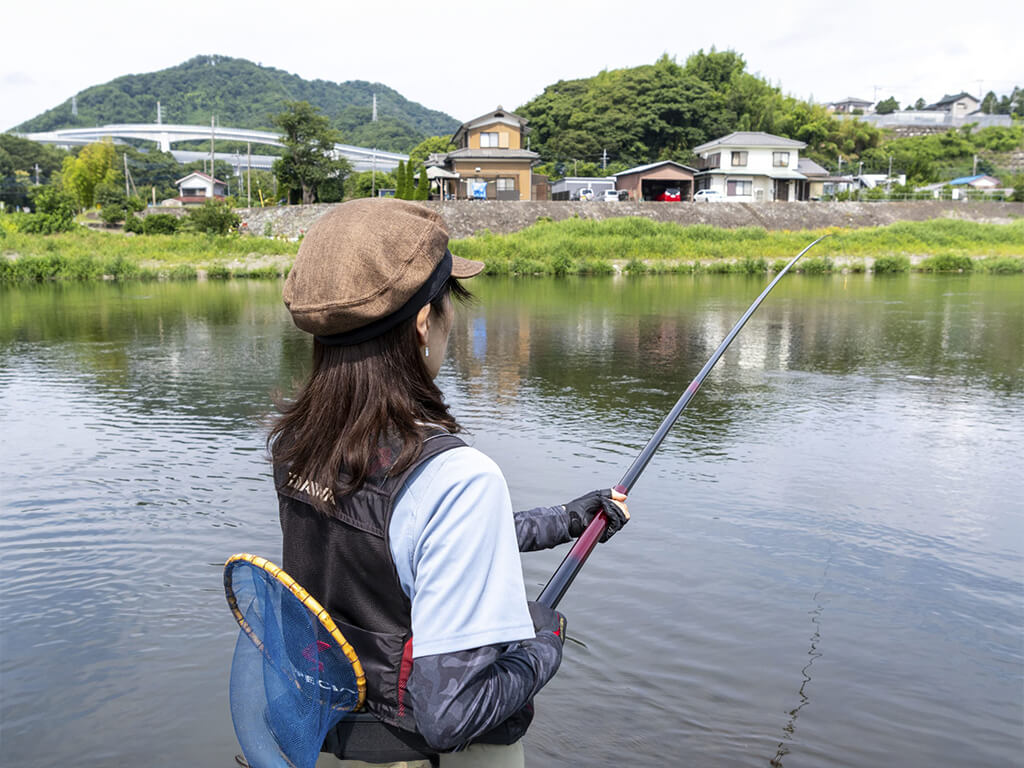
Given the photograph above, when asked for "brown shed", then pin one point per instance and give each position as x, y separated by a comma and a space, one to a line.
656, 180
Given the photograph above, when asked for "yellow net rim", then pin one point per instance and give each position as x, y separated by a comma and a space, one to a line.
305, 598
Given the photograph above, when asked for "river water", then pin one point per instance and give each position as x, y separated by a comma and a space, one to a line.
825, 565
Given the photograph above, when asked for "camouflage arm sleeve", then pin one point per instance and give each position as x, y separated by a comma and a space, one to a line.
460, 695
542, 528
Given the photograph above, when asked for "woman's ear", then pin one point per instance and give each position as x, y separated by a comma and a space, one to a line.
423, 324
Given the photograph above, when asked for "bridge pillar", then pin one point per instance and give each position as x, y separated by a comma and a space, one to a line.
165, 142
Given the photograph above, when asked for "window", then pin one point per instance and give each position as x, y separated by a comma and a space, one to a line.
780, 159
713, 161
739, 159
737, 188
506, 185
489, 139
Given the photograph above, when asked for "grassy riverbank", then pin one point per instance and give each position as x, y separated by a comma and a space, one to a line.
93, 255
636, 245
576, 246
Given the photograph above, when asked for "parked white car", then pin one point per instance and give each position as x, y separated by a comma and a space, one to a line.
610, 196
708, 196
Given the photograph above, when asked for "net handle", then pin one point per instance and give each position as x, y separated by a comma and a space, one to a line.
304, 597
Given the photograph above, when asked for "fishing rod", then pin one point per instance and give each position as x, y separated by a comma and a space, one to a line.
573, 562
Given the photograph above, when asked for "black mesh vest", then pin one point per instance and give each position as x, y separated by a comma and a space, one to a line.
344, 561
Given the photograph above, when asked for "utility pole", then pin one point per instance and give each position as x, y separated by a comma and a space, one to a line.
373, 174
604, 159
37, 174
125, 157
890, 166
974, 168
74, 106
374, 118
159, 117
248, 183
213, 129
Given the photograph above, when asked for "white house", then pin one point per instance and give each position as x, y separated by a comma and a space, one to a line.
958, 105
850, 104
197, 188
751, 166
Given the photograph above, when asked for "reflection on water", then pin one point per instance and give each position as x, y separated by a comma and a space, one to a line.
854, 457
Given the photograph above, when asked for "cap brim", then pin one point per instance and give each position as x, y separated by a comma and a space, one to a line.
463, 268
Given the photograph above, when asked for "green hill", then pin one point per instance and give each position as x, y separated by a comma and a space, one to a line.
245, 95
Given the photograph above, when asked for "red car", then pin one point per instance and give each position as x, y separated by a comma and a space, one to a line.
671, 194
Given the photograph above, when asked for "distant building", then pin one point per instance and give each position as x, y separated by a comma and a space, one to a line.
849, 104
197, 188
819, 184
655, 180
751, 166
981, 181
959, 188
959, 105
490, 162
570, 187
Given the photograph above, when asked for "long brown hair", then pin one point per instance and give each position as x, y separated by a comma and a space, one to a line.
356, 399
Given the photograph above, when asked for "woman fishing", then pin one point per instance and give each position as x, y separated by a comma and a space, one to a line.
404, 533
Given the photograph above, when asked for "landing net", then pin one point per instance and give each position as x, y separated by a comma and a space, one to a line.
293, 676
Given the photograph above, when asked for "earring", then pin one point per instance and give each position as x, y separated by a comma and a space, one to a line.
426, 351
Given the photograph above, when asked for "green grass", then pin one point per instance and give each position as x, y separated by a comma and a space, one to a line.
88, 255
575, 246
640, 246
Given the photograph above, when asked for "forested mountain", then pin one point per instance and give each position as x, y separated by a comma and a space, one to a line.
662, 110
245, 95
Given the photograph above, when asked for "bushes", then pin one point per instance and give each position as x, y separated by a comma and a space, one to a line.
160, 224
54, 212
891, 264
947, 262
214, 217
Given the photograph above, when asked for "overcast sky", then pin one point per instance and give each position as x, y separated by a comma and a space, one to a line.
465, 58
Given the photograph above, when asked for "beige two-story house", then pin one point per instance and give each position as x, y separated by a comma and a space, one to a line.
490, 160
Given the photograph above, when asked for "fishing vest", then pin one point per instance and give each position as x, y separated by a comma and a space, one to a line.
344, 560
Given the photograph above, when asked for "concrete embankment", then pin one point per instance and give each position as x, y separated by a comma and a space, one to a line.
467, 217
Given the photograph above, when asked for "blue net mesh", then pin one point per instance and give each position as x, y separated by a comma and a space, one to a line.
290, 680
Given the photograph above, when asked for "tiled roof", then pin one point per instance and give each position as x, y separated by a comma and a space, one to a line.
750, 139
649, 166
468, 153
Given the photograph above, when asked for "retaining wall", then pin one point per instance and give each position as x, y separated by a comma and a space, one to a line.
465, 218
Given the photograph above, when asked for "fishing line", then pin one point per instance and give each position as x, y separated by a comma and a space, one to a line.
789, 729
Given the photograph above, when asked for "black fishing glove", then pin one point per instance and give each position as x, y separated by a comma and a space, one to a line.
547, 620
582, 510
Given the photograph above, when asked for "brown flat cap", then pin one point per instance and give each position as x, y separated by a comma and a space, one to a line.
363, 262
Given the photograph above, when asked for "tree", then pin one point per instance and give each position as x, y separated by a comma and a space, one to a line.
366, 183
94, 165
214, 217
887, 106
309, 143
429, 146
990, 103
400, 192
920, 104
55, 211
423, 187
